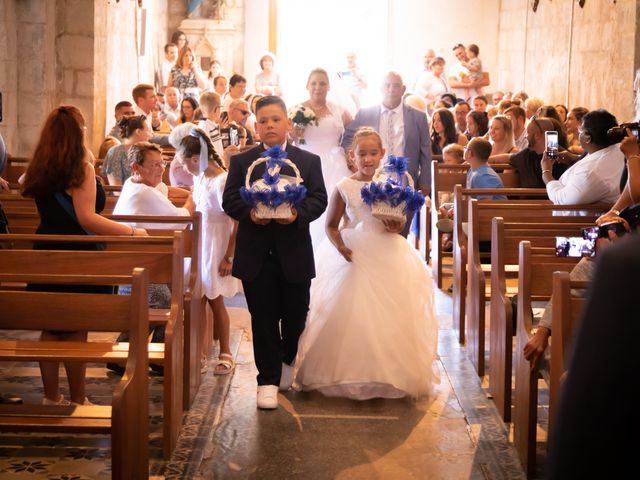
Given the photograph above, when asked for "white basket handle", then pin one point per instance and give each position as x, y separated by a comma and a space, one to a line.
380, 170
247, 182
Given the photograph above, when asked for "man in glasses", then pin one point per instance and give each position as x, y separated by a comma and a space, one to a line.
239, 113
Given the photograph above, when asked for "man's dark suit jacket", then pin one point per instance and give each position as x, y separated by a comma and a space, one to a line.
595, 434
290, 243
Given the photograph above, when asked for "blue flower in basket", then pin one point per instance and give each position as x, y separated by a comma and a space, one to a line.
274, 194
390, 194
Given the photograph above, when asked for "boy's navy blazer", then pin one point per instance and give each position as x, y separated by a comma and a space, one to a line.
291, 244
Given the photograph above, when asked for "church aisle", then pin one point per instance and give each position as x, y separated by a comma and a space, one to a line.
458, 436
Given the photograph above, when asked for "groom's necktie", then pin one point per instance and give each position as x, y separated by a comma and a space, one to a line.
390, 131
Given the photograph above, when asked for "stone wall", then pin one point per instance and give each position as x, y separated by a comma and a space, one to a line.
28, 84
80, 52
9, 73
598, 68
234, 14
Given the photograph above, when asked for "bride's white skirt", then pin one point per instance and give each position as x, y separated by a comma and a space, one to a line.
371, 330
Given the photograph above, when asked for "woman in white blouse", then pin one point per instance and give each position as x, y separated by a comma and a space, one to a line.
595, 178
144, 193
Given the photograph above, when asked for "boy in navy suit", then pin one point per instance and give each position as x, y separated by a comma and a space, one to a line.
274, 258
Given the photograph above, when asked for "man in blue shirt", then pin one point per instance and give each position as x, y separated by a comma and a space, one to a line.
481, 175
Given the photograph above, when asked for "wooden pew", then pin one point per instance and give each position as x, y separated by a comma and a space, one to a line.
480, 215
535, 279
25, 222
194, 309
505, 242
127, 419
15, 167
565, 314
443, 180
163, 266
460, 214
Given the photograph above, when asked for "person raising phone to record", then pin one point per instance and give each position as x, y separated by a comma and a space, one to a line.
595, 178
630, 147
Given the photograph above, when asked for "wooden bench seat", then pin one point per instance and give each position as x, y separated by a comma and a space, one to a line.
505, 242
480, 215
537, 267
163, 259
194, 310
127, 418
444, 178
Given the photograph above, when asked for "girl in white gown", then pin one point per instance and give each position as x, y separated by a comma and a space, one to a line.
217, 243
324, 140
371, 329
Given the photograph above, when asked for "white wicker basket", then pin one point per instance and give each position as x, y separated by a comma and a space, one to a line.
268, 211
383, 210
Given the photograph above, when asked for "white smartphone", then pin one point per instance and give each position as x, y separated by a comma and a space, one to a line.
551, 142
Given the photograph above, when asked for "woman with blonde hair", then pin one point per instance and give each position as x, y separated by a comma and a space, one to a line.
501, 135
185, 74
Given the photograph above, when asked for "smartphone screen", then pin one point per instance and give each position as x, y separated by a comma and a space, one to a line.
576, 247
233, 137
551, 142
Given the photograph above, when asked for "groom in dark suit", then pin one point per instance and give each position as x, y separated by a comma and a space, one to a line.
274, 259
403, 129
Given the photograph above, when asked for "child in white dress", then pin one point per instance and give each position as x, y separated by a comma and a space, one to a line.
218, 235
371, 330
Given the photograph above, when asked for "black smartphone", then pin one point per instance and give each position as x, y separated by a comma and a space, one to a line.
551, 142
576, 247
616, 227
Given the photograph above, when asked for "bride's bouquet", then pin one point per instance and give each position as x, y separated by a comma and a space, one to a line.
274, 194
390, 194
301, 117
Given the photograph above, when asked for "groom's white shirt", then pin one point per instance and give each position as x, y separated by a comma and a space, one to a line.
391, 129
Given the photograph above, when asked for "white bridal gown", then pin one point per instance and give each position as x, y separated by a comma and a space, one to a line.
324, 140
371, 329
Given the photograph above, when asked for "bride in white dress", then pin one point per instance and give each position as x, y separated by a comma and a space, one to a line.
371, 329
324, 140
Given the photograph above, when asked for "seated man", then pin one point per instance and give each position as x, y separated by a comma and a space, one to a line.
122, 109
595, 178
527, 161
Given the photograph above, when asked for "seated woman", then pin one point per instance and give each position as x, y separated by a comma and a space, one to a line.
189, 110
443, 131
574, 119
595, 178
116, 165
144, 193
477, 124
62, 180
501, 135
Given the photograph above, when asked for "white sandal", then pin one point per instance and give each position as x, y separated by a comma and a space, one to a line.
60, 401
225, 360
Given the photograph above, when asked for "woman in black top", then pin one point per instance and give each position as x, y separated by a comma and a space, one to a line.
69, 198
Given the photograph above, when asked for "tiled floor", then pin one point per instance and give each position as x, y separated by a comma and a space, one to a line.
457, 436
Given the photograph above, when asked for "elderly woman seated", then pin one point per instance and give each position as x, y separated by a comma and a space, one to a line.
144, 194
